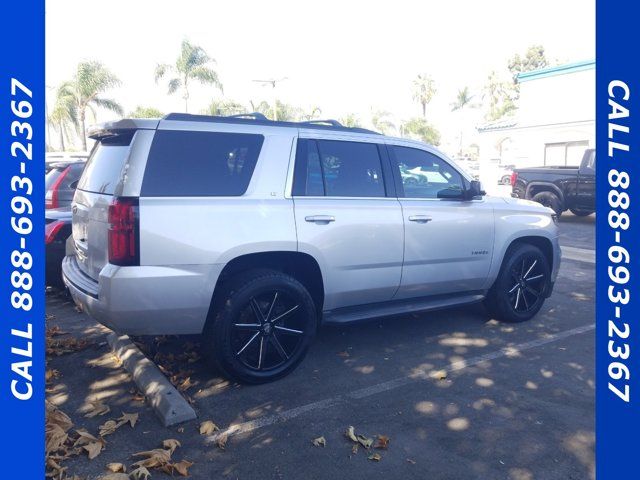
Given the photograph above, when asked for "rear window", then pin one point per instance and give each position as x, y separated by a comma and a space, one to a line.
102, 171
51, 177
189, 164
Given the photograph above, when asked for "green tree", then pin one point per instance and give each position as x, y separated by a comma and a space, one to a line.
145, 112
64, 116
223, 108
463, 99
193, 63
283, 112
312, 114
533, 59
382, 122
90, 81
501, 95
422, 130
350, 120
423, 91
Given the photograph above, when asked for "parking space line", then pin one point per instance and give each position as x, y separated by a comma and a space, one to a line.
268, 420
579, 254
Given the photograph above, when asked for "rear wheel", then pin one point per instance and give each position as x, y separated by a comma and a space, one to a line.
261, 327
549, 199
522, 284
581, 213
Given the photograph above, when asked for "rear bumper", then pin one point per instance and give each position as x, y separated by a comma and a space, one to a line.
145, 300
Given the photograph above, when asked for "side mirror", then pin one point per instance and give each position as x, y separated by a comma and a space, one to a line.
475, 190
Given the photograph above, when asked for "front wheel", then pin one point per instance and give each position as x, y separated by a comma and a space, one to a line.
522, 284
581, 213
261, 327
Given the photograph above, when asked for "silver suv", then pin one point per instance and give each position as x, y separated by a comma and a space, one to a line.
253, 232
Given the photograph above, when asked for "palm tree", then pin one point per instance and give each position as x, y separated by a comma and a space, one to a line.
64, 116
90, 81
350, 120
463, 99
423, 91
192, 64
381, 121
282, 112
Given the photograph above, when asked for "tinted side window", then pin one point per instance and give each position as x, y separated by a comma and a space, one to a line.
193, 164
351, 169
102, 171
425, 175
307, 179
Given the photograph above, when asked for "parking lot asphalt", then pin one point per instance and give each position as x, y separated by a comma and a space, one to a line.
460, 396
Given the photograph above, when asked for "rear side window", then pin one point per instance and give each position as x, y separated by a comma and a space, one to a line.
102, 171
192, 164
338, 169
51, 177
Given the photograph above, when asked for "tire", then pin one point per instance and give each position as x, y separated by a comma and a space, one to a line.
549, 199
279, 321
580, 213
525, 271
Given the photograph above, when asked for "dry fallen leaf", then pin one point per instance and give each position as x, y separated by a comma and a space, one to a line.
116, 467
185, 384
375, 457
182, 467
108, 428
412, 462
140, 473
351, 434
93, 449
320, 442
364, 441
84, 438
55, 438
383, 442
208, 427
132, 418
97, 408
222, 441
51, 374
171, 444
354, 449
153, 458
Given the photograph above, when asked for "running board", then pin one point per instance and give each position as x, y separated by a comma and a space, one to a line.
399, 307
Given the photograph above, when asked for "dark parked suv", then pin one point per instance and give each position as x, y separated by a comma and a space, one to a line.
60, 184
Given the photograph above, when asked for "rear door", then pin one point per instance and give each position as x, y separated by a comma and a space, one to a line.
346, 220
448, 240
96, 187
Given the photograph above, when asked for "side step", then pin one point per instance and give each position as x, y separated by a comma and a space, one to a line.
399, 307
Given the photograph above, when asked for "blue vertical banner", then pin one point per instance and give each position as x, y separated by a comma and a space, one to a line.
617, 247
22, 147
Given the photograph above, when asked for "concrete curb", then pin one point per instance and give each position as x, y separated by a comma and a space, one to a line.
169, 405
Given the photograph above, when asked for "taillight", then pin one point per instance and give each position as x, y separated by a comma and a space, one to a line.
51, 197
51, 231
123, 231
514, 177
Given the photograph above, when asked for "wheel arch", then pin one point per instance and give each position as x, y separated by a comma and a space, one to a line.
302, 266
540, 241
534, 188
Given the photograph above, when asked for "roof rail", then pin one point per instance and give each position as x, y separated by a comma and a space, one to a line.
333, 123
259, 119
254, 115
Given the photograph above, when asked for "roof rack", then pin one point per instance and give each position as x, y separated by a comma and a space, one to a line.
259, 119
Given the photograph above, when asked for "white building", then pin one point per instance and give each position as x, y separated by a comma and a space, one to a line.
555, 121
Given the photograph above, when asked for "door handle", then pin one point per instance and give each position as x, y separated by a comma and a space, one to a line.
420, 218
320, 219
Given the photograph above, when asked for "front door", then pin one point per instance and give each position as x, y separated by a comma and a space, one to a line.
346, 222
448, 240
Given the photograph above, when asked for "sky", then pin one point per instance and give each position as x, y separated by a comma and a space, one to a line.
343, 56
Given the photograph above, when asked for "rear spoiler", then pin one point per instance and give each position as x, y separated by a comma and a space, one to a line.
109, 129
